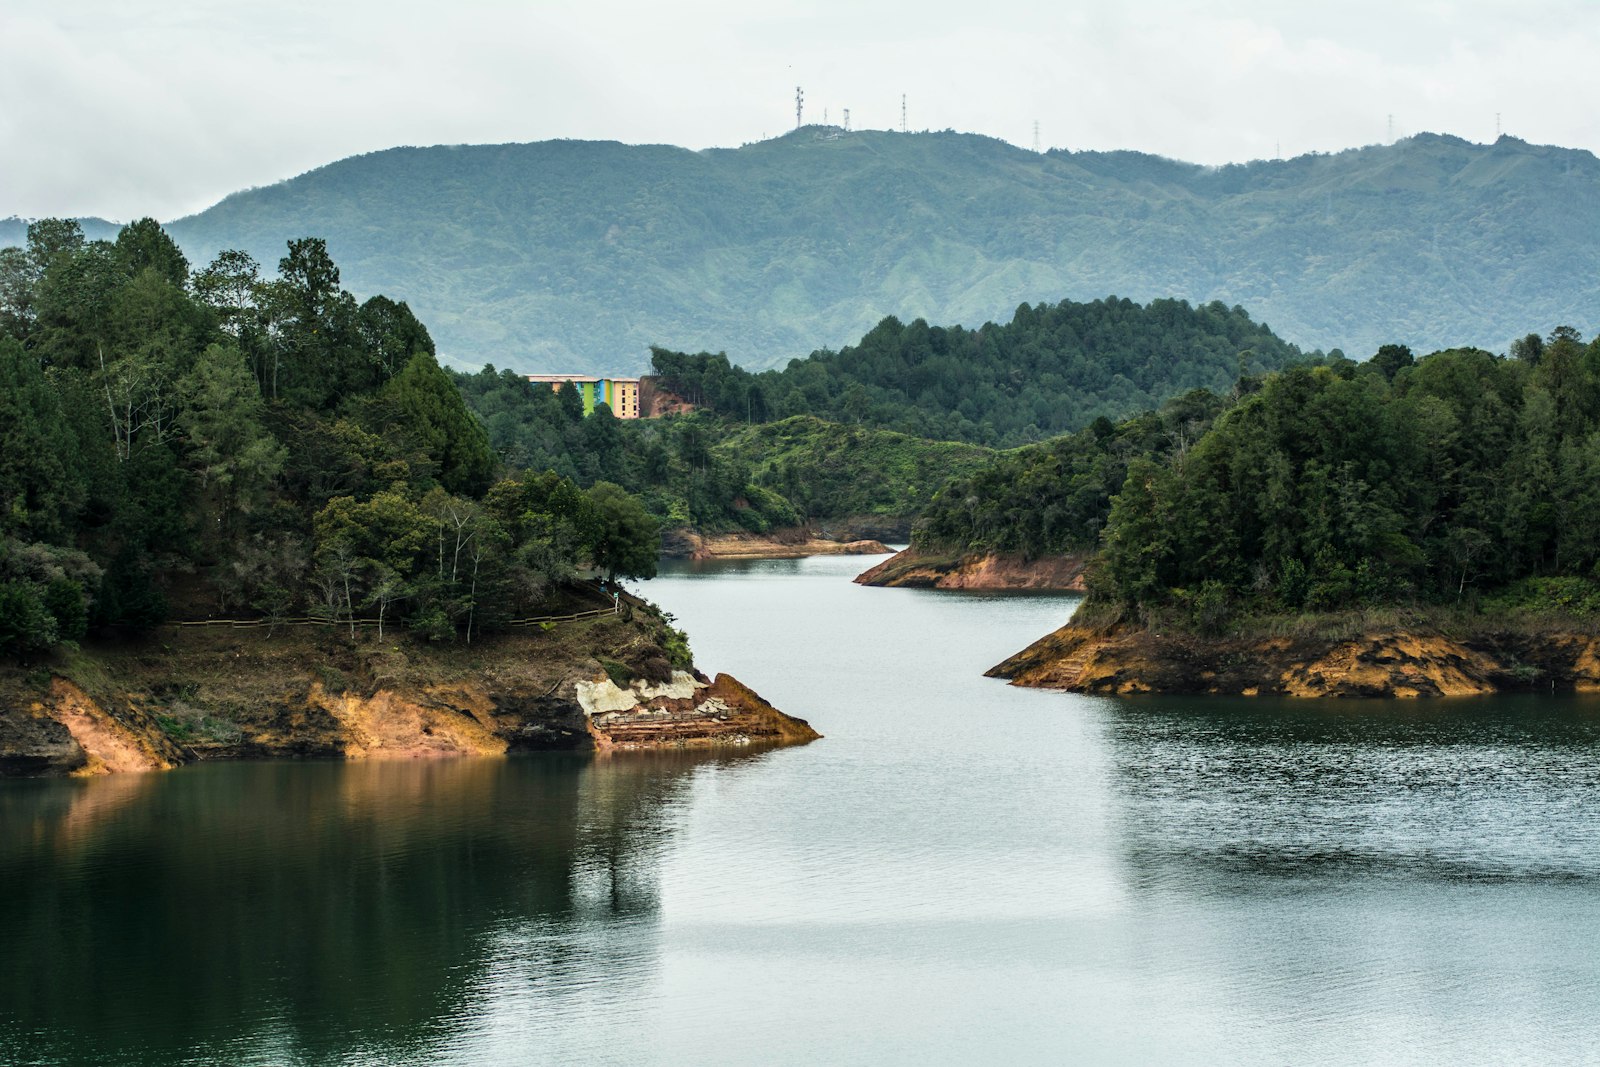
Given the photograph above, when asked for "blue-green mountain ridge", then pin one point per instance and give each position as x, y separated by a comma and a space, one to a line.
577, 255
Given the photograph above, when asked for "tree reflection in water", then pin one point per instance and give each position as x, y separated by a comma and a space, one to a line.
279, 912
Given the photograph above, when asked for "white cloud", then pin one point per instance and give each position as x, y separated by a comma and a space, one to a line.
136, 108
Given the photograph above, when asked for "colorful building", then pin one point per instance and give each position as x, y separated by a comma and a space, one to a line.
620, 394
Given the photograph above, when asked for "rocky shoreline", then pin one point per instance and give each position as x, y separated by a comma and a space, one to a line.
914, 569
1422, 662
182, 696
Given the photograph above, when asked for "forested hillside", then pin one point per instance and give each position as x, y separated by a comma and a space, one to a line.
1339, 486
188, 443
1052, 499
577, 256
874, 430
715, 473
1463, 478
1051, 369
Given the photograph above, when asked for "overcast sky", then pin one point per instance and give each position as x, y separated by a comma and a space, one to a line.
124, 108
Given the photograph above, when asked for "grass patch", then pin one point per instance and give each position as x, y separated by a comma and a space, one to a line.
621, 674
332, 678
186, 724
175, 728
84, 671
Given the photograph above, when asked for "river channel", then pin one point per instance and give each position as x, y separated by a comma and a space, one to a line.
960, 872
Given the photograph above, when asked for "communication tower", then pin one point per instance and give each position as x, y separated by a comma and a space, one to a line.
799, 107
902, 112
846, 120
1036, 135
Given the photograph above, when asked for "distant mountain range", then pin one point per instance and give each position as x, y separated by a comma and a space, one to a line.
577, 255
14, 230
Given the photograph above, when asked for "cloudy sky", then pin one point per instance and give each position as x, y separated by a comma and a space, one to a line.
124, 108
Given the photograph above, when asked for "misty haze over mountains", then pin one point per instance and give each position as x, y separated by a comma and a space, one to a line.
573, 255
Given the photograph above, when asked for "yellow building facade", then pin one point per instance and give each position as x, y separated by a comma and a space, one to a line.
619, 394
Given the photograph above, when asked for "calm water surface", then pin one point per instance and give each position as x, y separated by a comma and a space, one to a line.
961, 872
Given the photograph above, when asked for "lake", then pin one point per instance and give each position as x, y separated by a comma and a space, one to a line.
960, 872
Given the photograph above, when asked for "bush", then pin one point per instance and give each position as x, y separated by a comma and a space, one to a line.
675, 643
1568, 595
26, 625
1210, 607
1294, 585
752, 520
64, 599
433, 624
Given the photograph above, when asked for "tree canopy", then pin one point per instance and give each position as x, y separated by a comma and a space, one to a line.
1456, 478
1052, 369
212, 441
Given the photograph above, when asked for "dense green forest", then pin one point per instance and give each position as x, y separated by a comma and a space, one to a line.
1433, 481
1052, 499
1463, 478
219, 441
567, 256
1053, 368
875, 429
712, 472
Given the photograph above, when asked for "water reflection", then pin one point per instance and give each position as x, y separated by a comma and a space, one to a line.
1354, 883
1242, 795
311, 912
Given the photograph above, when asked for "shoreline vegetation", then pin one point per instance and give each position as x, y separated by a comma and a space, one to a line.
184, 445
1401, 527
857, 443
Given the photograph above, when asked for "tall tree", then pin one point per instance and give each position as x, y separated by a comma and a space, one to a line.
232, 452
144, 245
433, 411
391, 334
41, 487
314, 355
623, 539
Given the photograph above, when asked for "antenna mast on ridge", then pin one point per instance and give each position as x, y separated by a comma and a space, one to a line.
799, 106
1036, 135
902, 112
846, 120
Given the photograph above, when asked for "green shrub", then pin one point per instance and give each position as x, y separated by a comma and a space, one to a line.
433, 624
26, 625
675, 643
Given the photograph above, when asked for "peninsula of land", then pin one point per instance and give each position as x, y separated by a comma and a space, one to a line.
916, 568
182, 694
792, 543
1348, 659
